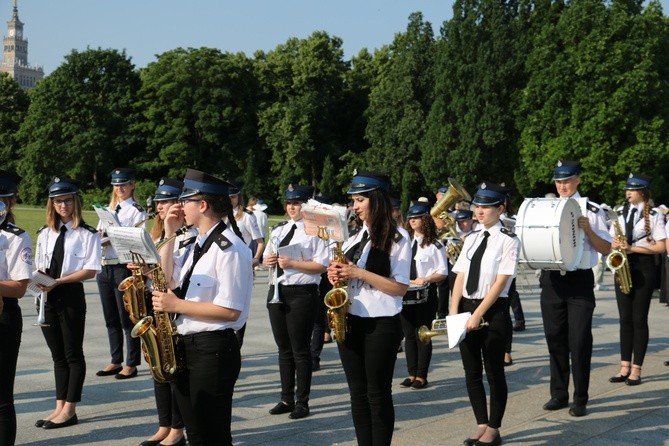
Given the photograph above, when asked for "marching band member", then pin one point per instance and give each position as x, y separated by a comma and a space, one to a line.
247, 224
568, 301
118, 323
428, 267
486, 265
212, 301
170, 422
645, 235
292, 320
69, 251
15, 273
378, 276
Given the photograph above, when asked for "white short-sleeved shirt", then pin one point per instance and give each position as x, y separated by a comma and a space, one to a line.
248, 226
639, 235
367, 301
223, 276
82, 249
130, 215
261, 218
312, 248
499, 258
430, 259
597, 218
16, 262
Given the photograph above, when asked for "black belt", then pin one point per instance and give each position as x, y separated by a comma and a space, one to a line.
206, 334
299, 286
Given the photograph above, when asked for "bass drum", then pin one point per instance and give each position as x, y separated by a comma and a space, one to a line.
549, 234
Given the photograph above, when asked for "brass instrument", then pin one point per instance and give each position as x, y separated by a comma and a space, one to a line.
273, 276
439, 328
447, 234
336, 300
617, 261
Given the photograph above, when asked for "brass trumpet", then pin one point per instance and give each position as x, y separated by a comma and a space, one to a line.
439, 328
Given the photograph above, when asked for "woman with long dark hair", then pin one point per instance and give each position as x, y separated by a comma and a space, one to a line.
15, 273
377, 273
69, 251
429, 266
644, 232
486, 265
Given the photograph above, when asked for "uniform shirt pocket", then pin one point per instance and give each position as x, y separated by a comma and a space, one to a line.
202, 287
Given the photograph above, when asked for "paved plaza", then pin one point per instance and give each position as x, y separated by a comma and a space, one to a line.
116, 412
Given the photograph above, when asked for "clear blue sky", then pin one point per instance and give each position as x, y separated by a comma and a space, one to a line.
145, 28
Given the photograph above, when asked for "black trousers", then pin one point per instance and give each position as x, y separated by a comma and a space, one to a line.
567, 304
116, 318
485, 348
368, 356
11, 326
418, 355
205, 386
514, 303
169, 414
292, 323
65, 315
633, 308
320, 320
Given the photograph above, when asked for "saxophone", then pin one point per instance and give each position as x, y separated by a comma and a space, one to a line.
135, 293
336, 300
617, 262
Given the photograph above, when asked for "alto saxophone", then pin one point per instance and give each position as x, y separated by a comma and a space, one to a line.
618, 263
336, 300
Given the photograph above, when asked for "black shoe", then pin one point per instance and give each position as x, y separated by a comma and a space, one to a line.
281, 407
495, 442
181, 442
406, 383
150, 442
619, 378
40, 423
555, 404
633, 382
122, 376
315, 366
519, 326
300, 411
469, 442
508, 363
51, 425
577, 410
418, 384
108, 372
666, 363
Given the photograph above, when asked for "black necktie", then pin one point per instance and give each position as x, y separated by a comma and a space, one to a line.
354, 253
58, 253
284, 242
629, 227
118, 208
475, 265
413, 274
181, 291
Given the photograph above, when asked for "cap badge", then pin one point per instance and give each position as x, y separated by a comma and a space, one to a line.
290, 188
56, 180
162, 181
117, 171
631, 175
483, 186
559, 163
355, 172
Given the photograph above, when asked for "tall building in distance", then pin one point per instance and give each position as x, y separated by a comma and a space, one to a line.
15, 60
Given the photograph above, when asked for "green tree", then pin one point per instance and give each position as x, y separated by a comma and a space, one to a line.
198, 110
15, 103
78, 121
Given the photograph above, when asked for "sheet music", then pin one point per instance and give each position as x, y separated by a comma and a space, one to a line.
332, 218
455, 327
40, 278
127, 241
293, 252
107, 217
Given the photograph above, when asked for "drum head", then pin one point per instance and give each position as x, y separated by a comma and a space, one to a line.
549, 234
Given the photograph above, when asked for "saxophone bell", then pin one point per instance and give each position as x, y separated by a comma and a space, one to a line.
618, 263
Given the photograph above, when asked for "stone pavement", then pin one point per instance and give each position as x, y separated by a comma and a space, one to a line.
116, 412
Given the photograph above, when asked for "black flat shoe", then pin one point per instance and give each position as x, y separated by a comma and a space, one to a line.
40, 423
666, 363
122, 376
281, 407
406, 383
51, 425
469, 442
633, 382
300, 411
555, 404
619, 378
150, 443
108, 372
495, 442
578, 410
418, 384
181, 442
508, 363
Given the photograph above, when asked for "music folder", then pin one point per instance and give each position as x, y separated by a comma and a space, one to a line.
128, 241
319, 218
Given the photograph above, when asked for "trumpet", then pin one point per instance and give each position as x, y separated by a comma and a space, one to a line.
439, 328
273, 277
41, 316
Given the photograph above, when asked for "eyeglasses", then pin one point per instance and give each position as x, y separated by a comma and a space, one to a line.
183, 201
66, 202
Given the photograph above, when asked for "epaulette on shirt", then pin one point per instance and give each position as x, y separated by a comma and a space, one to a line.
13, 229
138, 207
592, 207
619, 212
222, 241
438, 244
278, 225
42, 228
248, 211
653, 211
507, 232
185, 242
89, 228
397, 237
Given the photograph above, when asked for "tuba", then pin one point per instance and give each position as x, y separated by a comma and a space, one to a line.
617, 262
336, 300
440, 210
